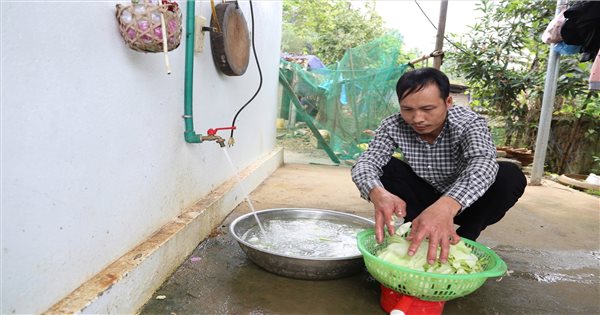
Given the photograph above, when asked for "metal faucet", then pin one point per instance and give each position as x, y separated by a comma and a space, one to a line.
211, 135
215, 138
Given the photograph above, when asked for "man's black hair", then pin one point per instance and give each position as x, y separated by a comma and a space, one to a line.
415, 80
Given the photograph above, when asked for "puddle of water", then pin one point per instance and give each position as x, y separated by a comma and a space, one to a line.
554, 259
581, 267
588, 278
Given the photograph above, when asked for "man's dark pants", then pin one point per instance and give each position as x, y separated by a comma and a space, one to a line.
399, 179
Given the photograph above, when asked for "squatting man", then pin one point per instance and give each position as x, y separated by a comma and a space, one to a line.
448, 175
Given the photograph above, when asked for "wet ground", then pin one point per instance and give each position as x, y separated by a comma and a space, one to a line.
550, 241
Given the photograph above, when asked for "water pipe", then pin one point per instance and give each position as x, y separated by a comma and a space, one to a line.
190, 135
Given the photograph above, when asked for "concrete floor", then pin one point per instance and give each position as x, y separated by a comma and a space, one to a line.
550, 240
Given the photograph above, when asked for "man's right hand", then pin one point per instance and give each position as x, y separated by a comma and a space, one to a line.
385, 204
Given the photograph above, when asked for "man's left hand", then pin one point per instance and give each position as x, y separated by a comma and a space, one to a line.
437, 224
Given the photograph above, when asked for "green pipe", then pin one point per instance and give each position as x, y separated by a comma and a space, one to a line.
190, 135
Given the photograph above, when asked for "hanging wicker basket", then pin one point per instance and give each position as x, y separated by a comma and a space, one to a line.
141, 28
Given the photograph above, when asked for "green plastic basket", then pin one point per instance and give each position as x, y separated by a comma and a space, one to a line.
425, 285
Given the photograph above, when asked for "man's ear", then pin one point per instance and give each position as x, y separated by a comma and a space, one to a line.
449, 102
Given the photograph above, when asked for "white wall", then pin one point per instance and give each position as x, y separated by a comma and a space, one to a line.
93, 155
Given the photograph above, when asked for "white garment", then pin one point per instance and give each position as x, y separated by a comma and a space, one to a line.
595, 74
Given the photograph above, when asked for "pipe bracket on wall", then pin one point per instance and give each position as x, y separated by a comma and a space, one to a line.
200, 28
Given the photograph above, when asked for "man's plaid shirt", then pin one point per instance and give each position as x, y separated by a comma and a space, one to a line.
461, 163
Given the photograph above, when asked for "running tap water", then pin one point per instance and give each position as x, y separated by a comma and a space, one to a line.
243, 189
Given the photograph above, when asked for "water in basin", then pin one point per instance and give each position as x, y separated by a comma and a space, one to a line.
306, 238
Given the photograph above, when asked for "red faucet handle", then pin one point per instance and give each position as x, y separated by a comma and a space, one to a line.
213, 131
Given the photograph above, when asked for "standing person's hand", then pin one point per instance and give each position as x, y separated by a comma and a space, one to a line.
435, 223
386, 204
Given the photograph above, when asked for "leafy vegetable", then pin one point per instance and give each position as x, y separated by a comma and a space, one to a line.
461, 260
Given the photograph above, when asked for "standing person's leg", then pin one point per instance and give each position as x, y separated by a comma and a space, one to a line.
399, 179
490, 208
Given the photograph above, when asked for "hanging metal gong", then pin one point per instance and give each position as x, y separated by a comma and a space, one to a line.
230, 44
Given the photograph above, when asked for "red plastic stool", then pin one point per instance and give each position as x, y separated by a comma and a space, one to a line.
396, 303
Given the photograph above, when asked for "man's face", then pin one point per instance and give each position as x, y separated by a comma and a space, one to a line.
425, 111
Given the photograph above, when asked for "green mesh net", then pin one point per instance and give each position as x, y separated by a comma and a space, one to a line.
348, 100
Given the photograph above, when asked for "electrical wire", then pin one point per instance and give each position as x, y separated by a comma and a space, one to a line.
435, 27
425, 14
259, 73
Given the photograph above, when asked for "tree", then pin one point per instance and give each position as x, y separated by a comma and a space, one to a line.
327, 28
504, 61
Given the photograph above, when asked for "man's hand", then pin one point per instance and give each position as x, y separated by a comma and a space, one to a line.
436, 223
385, 204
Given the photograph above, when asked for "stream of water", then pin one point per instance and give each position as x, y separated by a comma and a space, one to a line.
243, 189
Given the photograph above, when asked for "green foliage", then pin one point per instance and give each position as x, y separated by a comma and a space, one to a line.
593, 192
596, 160
504, 62
501, 58
327, 28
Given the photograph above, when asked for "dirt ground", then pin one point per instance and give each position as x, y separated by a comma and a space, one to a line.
299, 141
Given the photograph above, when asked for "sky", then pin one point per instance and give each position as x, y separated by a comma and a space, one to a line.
407, 18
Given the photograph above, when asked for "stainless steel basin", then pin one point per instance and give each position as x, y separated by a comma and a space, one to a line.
299, 267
